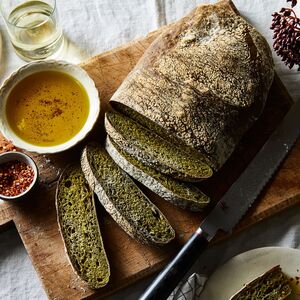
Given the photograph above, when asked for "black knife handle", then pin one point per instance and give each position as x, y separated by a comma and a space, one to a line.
167, 280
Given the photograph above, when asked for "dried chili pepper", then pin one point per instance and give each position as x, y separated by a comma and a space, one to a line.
15, 178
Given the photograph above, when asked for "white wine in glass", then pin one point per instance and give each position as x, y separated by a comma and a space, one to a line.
34, 30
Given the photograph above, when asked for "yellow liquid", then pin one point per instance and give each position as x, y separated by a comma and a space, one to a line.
47, 108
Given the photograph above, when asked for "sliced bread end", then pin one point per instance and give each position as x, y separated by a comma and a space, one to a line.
79, 228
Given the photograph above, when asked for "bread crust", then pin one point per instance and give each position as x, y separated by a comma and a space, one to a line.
204, 80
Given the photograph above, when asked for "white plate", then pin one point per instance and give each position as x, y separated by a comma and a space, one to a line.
243, 268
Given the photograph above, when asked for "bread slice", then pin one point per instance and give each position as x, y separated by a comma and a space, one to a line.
182, 194
271, 285
204, 81
154, 151
79, 228
122, 198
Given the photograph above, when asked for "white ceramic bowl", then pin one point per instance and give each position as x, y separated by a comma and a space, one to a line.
38, 66
19, 156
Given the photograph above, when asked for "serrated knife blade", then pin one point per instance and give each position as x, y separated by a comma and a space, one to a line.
232, 206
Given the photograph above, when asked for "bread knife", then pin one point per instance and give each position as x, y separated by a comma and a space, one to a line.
232, 206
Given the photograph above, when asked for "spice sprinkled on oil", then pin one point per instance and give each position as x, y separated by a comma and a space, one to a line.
47, 108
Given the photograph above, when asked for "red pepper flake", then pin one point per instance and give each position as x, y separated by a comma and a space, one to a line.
15, 178
6, 146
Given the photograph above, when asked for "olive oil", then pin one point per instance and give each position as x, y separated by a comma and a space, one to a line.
47, 108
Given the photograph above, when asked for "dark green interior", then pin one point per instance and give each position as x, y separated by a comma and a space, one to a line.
191, 196
80, 229
127, 198
158, 151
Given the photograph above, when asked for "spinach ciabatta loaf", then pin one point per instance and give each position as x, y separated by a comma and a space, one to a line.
202, 83
79, 227
182, 194
122, 198
153, 150
272, 285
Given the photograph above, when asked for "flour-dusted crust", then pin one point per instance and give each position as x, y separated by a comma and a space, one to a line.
85, 250
133, 223
204, 81
189, 197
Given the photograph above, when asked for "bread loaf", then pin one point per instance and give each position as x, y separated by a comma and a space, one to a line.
202, 83
79, 228
154, 151
182, 194
122, 198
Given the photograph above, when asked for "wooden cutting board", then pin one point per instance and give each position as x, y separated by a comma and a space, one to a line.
35, 217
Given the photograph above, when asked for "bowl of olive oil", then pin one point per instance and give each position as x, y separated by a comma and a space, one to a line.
48, 106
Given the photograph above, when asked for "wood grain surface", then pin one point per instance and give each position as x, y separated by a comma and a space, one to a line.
35, 217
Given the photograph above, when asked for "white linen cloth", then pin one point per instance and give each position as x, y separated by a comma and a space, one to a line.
94, 26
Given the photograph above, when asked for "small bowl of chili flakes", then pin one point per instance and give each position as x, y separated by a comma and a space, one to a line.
18, 175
